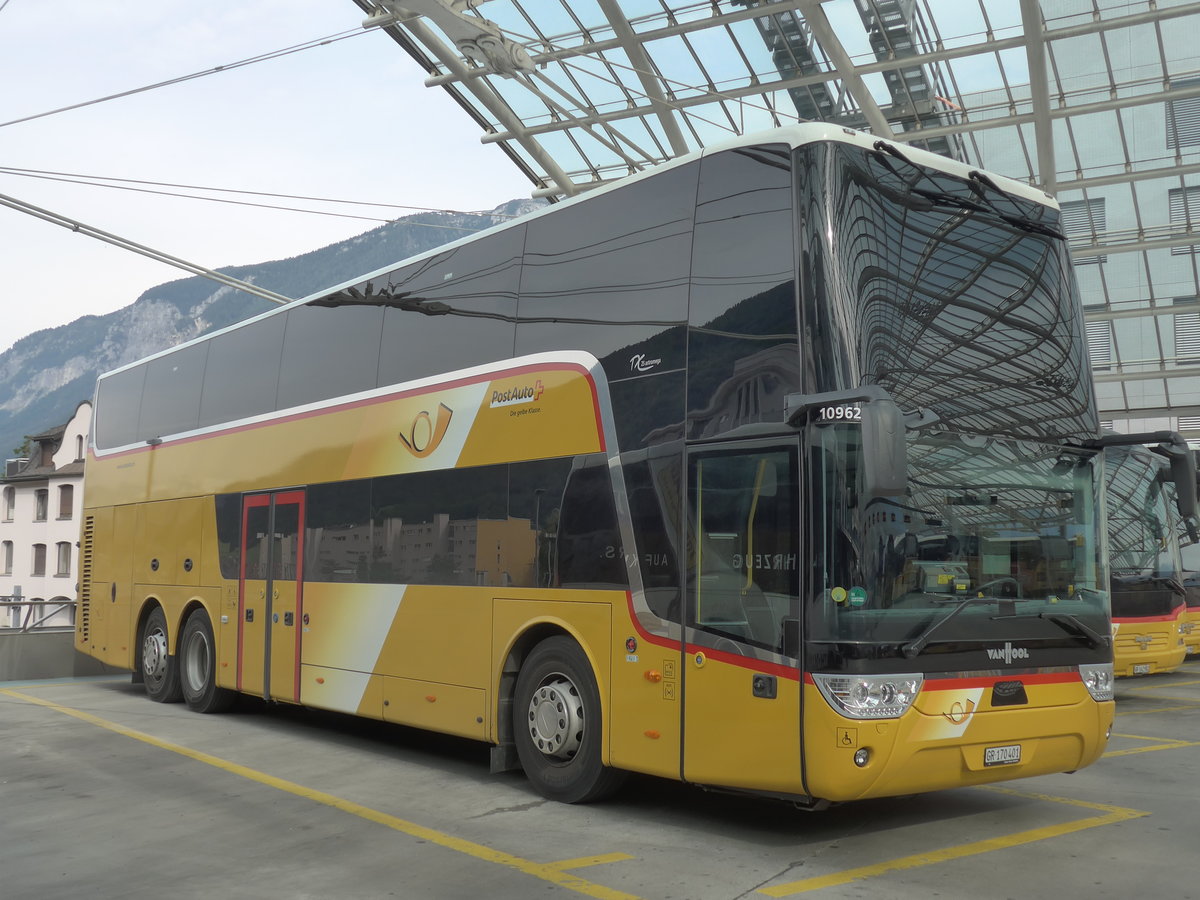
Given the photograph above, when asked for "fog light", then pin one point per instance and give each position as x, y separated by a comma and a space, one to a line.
862, 757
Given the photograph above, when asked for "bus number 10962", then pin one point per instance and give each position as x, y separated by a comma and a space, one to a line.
845, 413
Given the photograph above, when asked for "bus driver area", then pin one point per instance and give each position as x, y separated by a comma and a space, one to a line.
341, 805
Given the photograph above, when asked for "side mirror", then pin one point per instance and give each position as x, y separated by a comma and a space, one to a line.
1183, 473
1183, 468
884, 445
885, 453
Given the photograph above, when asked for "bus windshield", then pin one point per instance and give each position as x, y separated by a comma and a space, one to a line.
1000, 528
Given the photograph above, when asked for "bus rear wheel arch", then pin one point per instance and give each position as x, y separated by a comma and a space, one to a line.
197, 658
557, 724
158, 668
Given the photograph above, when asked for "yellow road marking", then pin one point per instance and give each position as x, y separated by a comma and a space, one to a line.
1173, 684
1162, 744
584, 861
1112, 815
1158, 709
552, 872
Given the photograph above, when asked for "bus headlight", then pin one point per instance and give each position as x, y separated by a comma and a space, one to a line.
1098, 679
869, 696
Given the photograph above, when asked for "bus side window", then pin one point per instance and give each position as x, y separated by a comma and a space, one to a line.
745, 550
229, 534
589, 541
653, 487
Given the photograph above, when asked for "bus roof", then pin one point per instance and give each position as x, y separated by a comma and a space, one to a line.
794, 136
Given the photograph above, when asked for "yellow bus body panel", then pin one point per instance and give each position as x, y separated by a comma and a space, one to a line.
939, 743
1148, 646
735, 739
1189, 627
646, 700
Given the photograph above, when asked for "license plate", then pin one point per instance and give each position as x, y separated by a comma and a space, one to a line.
1002, 756
1141, 669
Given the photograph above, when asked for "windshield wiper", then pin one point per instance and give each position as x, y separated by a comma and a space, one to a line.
1074, 624
979, 181
917, 644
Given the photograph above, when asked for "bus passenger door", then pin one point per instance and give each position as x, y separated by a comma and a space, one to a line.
741, 682
270, 598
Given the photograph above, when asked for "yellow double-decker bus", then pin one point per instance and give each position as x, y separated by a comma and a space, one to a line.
774, 469
1190, 626
1190, 554
1147, 583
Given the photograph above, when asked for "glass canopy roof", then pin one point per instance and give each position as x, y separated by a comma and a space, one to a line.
1096, 101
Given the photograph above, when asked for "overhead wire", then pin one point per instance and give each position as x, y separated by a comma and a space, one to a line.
151, 253
262, 57
90, 179
129, 184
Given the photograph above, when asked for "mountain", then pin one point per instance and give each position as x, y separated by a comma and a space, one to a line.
45, 375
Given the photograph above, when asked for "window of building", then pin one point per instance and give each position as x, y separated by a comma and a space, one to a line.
1187, 333
1183, 117
1184, 206
6, 558
78, 447
1085, 219
39, 559
41, 505
1100, 344
64, 558
66, 500
10, 502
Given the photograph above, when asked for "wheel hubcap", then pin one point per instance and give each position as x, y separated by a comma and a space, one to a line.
556, 718
196, 662
154, 655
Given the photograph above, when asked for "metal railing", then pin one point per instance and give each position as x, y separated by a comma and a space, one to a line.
34, 614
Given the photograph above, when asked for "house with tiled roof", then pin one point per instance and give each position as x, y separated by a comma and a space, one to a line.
41, 498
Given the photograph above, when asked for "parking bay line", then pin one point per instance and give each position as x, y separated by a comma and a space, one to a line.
1162, 744
551, 872
1112, 815
1160, 685
1158, 709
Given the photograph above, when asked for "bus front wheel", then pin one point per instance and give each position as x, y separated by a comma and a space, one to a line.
557, 724
160, 672
198, 667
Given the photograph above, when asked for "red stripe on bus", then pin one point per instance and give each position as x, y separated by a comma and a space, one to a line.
1133, 620
952, 682
935, 683
742, 662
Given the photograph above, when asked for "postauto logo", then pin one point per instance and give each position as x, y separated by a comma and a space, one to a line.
522, 394
425, 432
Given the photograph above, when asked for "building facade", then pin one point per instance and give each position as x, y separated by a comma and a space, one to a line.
41, 501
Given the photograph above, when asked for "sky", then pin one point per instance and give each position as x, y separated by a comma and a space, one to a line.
351, 120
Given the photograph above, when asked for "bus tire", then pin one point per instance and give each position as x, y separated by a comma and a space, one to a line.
197, 658
557, 724
160, 671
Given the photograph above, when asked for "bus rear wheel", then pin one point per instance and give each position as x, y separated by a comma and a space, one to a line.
198, 667
160, 671
557, 724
